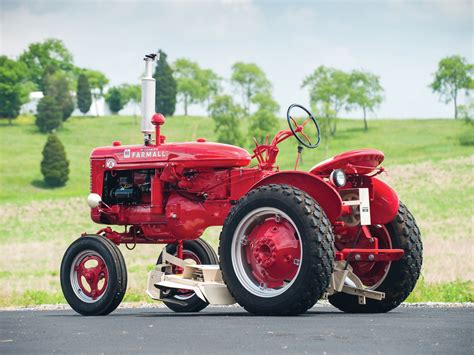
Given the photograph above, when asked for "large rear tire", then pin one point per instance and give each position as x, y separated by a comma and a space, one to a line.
276, 251
93, 276
402, 275
202, 253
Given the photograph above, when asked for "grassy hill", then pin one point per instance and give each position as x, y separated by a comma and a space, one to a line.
426, 164
403, 142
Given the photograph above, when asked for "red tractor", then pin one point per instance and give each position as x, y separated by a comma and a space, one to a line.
289, 238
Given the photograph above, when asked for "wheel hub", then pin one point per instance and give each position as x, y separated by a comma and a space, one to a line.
89, 276
273, 252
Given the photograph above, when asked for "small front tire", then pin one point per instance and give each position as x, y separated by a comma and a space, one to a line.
93, 276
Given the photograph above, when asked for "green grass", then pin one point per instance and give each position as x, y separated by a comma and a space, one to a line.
456, 291
467, 136
427, 165
407, 141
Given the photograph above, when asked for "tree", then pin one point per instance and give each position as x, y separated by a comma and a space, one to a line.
226, 117
454, 74
57, 84
324, 120
250, 80
132, 93
48, 54
328, 92
210, 83
13, 87
84, 96
97, 82
365, 92
264, 120
189, 82
116, 99
49, 115
54, 166
166, 87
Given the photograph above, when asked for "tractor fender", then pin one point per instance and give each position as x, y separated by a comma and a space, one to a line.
384, 206
317, 188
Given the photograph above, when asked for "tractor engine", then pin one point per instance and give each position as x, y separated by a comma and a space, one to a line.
164, 203
127, 187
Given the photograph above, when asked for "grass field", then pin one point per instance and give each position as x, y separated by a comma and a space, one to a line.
426, 164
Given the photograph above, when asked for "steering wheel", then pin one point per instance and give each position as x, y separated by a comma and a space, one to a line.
297, 129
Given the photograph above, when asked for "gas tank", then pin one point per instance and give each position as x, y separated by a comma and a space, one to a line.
361, 161
199, 154
207, 154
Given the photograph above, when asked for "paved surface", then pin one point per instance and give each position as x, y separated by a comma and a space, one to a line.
323, 330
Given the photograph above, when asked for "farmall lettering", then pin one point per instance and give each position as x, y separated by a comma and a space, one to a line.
144, 154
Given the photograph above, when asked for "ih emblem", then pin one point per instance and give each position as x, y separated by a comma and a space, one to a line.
126, 153
110, 163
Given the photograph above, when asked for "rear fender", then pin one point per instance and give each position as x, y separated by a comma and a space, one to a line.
384, 207
320, 191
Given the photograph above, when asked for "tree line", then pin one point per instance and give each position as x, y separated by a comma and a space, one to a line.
48, 67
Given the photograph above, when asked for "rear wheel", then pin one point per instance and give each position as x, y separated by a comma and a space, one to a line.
93, 276
396, 279
200, 252
276, 251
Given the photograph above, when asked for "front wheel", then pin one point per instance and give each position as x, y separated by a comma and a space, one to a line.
93, 276
396, 279
276, 251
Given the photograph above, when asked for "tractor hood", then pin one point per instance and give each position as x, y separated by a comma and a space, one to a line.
189, 154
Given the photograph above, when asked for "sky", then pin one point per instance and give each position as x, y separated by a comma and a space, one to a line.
400, 41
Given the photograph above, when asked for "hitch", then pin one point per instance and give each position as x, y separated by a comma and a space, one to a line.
349, 254
204, 280
344, 280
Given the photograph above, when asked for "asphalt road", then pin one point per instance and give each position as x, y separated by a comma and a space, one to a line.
323, 330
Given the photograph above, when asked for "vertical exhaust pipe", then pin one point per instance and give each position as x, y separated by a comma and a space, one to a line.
148, 98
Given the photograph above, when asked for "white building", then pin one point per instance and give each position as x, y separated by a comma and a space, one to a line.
98, 107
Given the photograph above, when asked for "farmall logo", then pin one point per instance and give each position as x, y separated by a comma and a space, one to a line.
144, 154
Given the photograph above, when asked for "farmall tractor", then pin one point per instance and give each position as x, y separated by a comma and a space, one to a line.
289, 238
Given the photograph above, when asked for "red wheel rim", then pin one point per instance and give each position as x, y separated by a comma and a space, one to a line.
372, 274
266, 252
89, 276
271, 252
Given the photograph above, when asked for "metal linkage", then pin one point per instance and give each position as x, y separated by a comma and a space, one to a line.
344, 280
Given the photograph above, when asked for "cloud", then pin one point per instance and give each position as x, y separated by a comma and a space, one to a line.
400, 41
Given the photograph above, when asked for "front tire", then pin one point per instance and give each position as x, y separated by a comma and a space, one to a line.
93, 276
402, 275
276, 251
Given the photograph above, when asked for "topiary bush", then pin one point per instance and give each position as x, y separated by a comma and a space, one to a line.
166, 87
84, 96
54, 166
49, 114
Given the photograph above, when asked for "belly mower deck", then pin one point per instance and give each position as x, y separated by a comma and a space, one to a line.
206, 281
